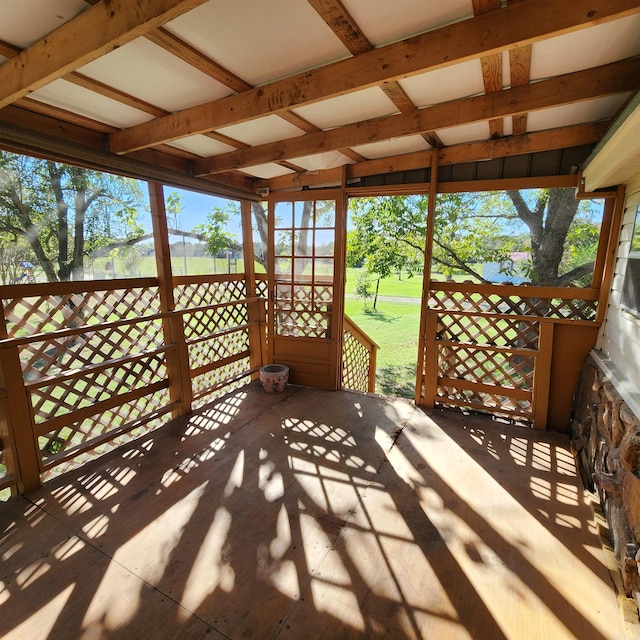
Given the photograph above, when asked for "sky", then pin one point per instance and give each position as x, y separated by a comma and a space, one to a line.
195, 208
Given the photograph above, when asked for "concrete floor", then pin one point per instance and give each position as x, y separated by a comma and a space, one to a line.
312, 514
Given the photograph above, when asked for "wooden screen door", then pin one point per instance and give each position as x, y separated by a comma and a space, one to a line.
306, 286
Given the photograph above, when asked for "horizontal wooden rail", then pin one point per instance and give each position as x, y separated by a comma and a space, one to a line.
208, 278
518, 291
53, 424
81, 372
483, 387
483, 346
520, 318
482, 408
218, 364
40, 289
226, 382
6, 343
64, 456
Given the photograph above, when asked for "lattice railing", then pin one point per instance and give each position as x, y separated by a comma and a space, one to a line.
217, 321
303, 309
505, 300
358, 358
484, 345
92, 356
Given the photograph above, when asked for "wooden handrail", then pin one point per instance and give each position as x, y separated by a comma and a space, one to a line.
358, 332
507, 290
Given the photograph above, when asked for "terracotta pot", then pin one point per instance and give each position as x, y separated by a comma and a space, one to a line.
274, 377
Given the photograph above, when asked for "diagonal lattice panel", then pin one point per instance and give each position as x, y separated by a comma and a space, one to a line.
262, 289
68, 395
355, 364
202, 294
480, 401
302, 323
77, 435
475, 365
507, 332
46, 314
93, 347
217, 382
494, 303
206, 322
218, 348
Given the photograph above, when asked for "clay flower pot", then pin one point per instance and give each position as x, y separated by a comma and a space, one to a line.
274, 377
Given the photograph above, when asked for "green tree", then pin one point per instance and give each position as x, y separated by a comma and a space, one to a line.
215, 233
65, 213
471, 229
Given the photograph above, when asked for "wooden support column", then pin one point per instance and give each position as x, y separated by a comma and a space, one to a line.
256, 310
340, 277
611, 255
542, 376
17, 429
173, 328
427, 349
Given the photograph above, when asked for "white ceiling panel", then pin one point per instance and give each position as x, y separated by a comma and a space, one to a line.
347, 109
394, 147
267, 171
576, 113
71, 97
262, 130
143, 69
593, 47
26, 21
384, 22
442, 85
464, 133
260, 41
202, 146
327, 160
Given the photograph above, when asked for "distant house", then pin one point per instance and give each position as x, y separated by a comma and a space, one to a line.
511, 270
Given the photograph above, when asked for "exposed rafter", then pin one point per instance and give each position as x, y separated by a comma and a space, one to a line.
610, 79
89, 35
517, 24
577, 135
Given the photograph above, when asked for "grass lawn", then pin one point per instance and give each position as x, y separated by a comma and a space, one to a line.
394, 327
404, 287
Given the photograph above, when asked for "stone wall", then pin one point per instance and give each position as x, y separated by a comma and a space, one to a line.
606, 438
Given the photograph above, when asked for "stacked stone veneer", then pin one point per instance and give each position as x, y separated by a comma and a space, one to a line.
606, 438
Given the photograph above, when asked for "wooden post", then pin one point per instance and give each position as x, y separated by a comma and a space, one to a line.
611, 256
340, 277
255, 310
18, 438
426, 287
373, 355
542, 376
177, 359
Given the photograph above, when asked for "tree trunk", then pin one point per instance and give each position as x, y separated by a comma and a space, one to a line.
55, 172
548, 232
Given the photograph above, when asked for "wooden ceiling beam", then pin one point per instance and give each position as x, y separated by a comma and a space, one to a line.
520, 64
177, 47
471, 152
491, 67
335, 14
618, 77
44, 136
88, 36
517, 24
